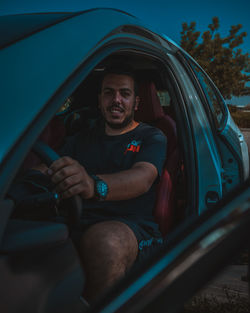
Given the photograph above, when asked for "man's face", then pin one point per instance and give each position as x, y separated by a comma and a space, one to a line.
117, 100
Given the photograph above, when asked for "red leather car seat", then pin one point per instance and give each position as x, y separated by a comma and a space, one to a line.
151, 112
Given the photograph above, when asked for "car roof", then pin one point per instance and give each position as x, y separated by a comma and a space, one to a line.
19, 26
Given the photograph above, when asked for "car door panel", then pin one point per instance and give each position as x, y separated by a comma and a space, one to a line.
21, 235
32, 279
39, 268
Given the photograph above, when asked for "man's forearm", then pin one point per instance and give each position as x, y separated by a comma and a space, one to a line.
70, 178
130, 183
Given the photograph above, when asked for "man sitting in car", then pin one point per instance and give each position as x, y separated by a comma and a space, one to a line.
115, 169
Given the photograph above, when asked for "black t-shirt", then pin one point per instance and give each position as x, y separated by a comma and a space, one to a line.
103, 154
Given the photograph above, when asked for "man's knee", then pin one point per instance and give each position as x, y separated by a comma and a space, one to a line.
110, 240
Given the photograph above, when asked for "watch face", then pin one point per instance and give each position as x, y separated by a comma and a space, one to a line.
102, 188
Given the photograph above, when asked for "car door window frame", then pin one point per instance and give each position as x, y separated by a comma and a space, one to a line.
217, 131
202, 84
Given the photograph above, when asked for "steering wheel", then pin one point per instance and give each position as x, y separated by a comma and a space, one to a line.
48, 156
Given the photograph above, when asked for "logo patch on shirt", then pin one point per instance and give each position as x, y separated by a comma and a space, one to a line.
134, 146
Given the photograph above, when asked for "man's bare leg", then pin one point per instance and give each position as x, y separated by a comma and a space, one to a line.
108, 249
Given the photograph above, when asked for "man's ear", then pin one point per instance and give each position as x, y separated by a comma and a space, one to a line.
137, 101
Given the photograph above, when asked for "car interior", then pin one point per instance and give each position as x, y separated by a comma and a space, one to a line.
156, 108
80, 111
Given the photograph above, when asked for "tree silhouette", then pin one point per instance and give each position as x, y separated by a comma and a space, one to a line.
220, 57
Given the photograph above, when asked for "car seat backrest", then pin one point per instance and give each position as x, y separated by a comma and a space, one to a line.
150, 111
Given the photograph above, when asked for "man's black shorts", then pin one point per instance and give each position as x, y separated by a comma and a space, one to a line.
147, 233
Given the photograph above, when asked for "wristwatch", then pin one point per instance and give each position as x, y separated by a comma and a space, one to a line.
101, 188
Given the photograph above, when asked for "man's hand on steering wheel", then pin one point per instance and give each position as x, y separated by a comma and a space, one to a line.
74, 202
70, 178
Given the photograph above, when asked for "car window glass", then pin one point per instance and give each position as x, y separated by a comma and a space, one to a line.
164, 98
216, 105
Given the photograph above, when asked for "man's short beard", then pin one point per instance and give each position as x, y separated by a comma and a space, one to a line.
125, 123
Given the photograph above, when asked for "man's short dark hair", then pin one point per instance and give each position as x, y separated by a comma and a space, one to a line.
120, 69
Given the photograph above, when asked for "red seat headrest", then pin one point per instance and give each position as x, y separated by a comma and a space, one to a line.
149, 109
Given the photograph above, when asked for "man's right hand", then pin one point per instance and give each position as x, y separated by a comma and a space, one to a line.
71, 178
